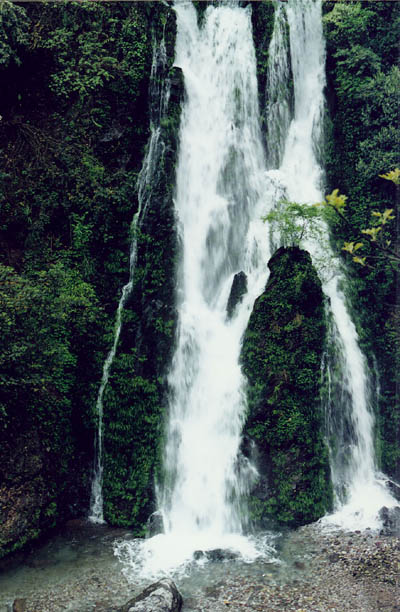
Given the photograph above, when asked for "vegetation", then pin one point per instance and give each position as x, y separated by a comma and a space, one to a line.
362, 144
74, 124
281, 356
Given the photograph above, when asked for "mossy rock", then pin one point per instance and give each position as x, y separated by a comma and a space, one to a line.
281, 357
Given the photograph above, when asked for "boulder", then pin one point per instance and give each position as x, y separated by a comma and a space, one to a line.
198, 554
221, 554
161, 596
390, 518
155, 524
394, 488
215, 555
238, 290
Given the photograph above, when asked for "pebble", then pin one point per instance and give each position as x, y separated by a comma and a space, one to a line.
325, 573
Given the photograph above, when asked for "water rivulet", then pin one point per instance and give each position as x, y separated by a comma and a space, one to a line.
159, 98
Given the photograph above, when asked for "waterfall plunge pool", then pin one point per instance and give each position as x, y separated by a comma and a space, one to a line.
77, 570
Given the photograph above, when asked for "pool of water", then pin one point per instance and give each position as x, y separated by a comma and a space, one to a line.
77, 570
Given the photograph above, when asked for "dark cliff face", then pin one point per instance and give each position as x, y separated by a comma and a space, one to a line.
281, 358
135, 400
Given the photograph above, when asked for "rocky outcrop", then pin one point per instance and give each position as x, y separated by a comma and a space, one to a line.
281, 357
238, 290
162, 596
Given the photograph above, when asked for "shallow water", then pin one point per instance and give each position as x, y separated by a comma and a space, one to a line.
78, 571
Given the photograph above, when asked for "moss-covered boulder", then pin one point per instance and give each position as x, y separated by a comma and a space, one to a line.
281, 358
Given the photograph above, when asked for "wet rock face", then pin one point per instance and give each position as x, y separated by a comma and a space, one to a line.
394, 489
28, 505
390, 518
238, 289
162, 596
155, 524
135, 400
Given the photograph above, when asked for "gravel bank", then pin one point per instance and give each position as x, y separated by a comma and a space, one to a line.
320, 572
338, 572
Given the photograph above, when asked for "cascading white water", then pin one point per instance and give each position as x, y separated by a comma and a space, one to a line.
159, 98
358, 487
219, 192
222, 192
279, 93
221, 195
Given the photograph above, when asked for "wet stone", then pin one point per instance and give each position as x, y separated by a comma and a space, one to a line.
162, 596
220, 554
155, 524
19, 605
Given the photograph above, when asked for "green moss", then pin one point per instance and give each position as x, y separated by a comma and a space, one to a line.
281, 357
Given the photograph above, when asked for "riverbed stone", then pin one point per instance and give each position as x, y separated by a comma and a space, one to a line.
221, 554
19, 605
390, 518
161, 596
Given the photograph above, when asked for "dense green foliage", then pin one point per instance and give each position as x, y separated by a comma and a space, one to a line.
362, 143
135, 398
281, 355
74, 124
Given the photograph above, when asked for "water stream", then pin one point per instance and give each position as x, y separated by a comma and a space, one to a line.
358, 486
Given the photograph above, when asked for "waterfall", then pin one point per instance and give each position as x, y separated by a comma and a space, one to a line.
358, 486
223, 189
221, 195
159, 97
219, 188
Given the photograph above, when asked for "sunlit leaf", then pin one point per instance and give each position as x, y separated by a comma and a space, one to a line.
372, 231
393, 175
336, 201
349, 247
359, 260
387, 215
